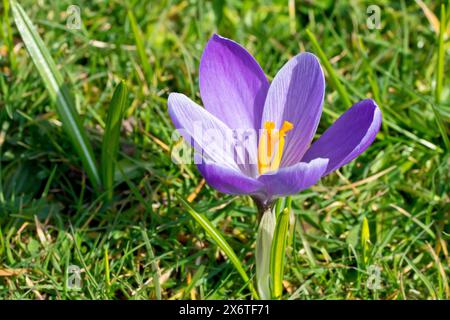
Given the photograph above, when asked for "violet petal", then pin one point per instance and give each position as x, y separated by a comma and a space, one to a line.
296, 95
291, 180
348, 137
233, 86
228, 180
207, 134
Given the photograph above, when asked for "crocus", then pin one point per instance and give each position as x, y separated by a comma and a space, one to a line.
284, 114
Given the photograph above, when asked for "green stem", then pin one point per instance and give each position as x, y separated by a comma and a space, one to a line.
264, 241
278, 253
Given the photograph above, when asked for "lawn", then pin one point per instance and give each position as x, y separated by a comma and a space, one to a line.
378, 228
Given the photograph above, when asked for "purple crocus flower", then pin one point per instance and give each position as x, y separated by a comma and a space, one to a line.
284, 114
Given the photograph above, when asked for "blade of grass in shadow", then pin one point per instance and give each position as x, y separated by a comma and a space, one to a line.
156, 271
440, 79
278, 253
7, 35
220, 241
424, 279
334, 79
110, 143
194, 282
135, 190
59, 93
138, 38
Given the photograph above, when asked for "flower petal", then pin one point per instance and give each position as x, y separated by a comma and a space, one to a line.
202, 130
233, 86
291, 180
296, 95
228, 180
348, 137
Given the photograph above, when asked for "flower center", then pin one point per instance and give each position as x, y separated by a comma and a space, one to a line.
271, 145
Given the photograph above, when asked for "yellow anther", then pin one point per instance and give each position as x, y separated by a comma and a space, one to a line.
269, 157
269, 126
287, 126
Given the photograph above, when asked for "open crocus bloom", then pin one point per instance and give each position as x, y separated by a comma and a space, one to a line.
255, 138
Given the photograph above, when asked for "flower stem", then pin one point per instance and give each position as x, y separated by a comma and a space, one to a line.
262, 208
271, 245
278, 253
263, 252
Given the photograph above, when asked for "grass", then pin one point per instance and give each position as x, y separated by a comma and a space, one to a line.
388, 209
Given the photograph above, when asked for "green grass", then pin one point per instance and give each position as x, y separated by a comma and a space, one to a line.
144, 244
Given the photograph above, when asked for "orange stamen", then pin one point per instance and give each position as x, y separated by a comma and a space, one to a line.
269, 157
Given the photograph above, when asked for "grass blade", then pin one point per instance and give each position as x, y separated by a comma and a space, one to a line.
440, 79
220, 241
107, 269
278, 253
110, 143
7, 34
156, 271
138, 38
194, 281
365, 239
440, 60
424, 279
333, 77
59, 93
